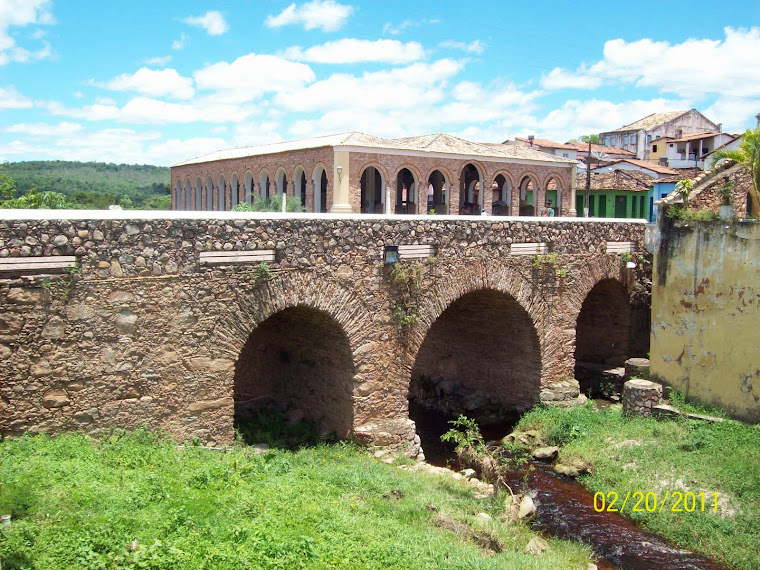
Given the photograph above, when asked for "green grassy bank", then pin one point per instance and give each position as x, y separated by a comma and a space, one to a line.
135, 500
631, 455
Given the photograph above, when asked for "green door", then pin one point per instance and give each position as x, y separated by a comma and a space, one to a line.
580, 200
621, 206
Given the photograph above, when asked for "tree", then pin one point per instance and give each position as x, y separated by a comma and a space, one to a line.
748, 155
7, 185
593, 139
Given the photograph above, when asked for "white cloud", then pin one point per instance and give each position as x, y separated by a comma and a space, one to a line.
180, 43
416, 86
96, 112
249, 76
213, 22
327, 15
155, 83
20, 13
396, 29
45, 130
475, 46
349, 50
159, 61
559, 78
12, 99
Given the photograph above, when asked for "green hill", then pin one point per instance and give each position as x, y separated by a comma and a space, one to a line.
95, 184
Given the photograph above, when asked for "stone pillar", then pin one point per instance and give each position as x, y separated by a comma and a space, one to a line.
309, 196
573, 179
488, 199
454, 196
228, 197
640, 396
215, 198
204, 197
539, 200
514, 209
241, 192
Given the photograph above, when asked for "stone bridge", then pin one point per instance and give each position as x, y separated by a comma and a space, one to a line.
149, 329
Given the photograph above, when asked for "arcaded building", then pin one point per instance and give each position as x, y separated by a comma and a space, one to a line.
359, 173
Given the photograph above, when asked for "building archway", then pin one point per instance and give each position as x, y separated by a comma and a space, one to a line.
299, 180
209, 193
188, 197
528, 190
234, 190
502, 196
248, 184
372, 193
320, 188
198, 193
602, 332
553, 194
440, 187
406, 192
481, 357
470, 190
281, 182
177, 195
300, 357
264, 184
222, 194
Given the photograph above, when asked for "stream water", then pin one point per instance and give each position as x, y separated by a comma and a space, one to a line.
565, 509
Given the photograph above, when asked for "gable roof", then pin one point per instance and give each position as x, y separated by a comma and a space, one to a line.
696, 136
546, 143
627, 180
651, 121
651, 166
583, 147
437, 143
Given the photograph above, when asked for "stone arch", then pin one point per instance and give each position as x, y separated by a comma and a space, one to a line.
177, 194
480, 357
249, 186
321, 182
407, 175
440, 178
502, 186
372, 182
554, 191
264, 184
329, 314
234, 190
281, 181
187, 198
198, 193
528, 191
221, 193
209, 193
471, 186
299, 184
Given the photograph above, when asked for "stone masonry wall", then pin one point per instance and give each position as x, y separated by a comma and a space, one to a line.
144, 333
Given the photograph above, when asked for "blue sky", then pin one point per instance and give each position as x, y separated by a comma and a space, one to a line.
162, 81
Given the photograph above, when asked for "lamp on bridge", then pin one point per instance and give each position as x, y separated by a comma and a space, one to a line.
390, 254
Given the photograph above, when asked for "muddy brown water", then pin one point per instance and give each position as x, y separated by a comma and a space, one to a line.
565, 509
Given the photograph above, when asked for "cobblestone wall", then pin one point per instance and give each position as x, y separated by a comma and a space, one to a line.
145, 333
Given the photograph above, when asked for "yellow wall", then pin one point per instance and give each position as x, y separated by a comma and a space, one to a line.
706, 313
340, 195
662, 148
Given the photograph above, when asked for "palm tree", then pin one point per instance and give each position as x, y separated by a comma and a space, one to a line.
748, 155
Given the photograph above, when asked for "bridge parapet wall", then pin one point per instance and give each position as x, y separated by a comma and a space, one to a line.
148, 334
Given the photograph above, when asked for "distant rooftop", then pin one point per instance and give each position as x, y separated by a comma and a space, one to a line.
546, 143
651, 121
653, 166
629, 180
439, 143
583, 147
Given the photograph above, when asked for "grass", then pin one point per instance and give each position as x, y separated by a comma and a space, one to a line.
660, 456
135, 500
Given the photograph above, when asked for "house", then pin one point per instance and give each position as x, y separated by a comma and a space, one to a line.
653, 169
365, 174
688, 150
638, 136
546, 145
599, 152
709, 159
616, 194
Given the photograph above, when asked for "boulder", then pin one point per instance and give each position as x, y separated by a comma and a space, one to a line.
546, 453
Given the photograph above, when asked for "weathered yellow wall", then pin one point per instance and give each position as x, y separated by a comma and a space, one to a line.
706, 313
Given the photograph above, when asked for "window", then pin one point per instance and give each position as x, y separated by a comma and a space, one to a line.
565, 155
633, 139
606, 141
613, 141
654, 148
649, 139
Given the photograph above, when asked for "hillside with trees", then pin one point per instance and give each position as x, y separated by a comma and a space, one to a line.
94, 185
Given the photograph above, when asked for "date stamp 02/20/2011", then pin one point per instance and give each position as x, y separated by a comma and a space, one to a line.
650, 502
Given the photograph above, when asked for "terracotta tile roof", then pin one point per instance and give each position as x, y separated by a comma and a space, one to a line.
435, 143
651, 121
546, 143
624, 180
695, 136
682, 173
653, 166
583, 147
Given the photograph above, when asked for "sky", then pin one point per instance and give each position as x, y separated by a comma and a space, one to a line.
161, 81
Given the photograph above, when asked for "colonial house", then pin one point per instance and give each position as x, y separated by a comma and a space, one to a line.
364, 174
616, 194
688, 151
638, 136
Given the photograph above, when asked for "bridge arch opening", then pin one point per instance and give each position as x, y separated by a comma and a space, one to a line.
482, 358
602, 334
299, 362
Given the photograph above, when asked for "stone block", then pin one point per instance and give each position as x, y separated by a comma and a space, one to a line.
640, 396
